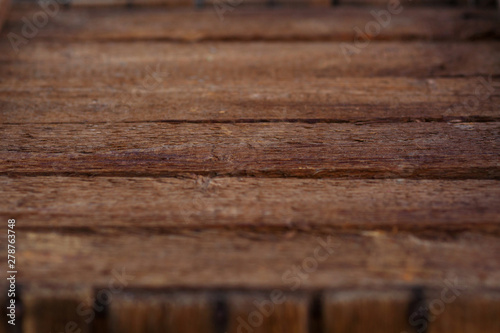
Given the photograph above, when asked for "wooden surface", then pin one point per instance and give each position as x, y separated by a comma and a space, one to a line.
188, 166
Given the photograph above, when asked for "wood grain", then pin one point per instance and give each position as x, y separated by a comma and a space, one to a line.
219, 62
322, 100
407, 150
136, 310
234, 81
70, 203
306, 24
207, 259
190, 199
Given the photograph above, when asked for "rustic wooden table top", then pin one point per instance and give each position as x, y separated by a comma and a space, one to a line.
236, 168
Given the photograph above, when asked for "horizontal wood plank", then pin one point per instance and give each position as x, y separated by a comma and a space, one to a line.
406, 150
145, 23
71, 203
324, 100
255, 260
309, 81
217, 62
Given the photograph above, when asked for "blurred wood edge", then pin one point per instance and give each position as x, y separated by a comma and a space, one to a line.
4, 9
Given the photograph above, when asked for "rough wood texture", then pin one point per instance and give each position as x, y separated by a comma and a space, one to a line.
323, 100
253, 81
71, 203
249, 60
308, 24
128, 137
219, 62
406, 150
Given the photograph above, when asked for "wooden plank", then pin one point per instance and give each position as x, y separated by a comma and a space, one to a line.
218, 62
255, 260
55, 309
448, 309
180, 312
469, 311
275, 311
62, 203
361, 311
406, 150
202, 311
146, 23
324, 100
153, 87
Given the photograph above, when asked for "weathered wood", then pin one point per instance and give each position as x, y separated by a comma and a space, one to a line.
222, 80
328, 100
407, 150
200, 253
305, 24
252, 260
62, 203
219, 62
